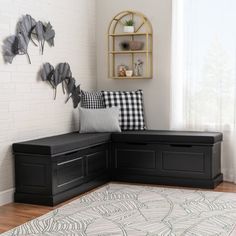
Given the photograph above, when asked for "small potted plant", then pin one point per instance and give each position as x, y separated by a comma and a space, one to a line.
129, 26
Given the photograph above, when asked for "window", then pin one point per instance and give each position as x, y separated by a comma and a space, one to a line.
205, 48
203, 72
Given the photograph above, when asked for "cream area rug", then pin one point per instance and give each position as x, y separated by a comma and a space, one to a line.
131, 210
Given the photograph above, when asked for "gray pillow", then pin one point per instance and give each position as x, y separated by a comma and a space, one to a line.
99, 120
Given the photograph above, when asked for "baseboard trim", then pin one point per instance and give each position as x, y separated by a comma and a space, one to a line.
229, 175
6, 196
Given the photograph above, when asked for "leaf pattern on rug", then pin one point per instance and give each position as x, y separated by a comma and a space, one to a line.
131, 210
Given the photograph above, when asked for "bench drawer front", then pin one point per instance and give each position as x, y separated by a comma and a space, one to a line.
32, 174
70, 172
184, 161
138, 158
76, 168
97, 162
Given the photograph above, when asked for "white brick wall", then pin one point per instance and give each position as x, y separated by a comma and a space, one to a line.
27, 108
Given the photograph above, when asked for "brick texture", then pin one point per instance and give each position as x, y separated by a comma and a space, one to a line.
27, 108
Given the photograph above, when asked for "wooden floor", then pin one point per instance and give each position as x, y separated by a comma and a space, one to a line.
14, 214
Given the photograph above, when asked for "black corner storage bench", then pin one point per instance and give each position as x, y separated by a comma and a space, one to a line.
53, 169
167, 157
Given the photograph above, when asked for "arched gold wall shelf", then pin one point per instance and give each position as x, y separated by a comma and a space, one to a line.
118, 56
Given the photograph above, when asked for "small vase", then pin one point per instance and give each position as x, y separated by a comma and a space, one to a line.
129, 73
135, 69
128, 29
140, 70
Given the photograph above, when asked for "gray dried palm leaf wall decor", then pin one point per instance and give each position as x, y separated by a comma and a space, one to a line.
27, 29
61, 75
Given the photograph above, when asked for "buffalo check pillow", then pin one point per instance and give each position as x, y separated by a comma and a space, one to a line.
92, 100
131, 108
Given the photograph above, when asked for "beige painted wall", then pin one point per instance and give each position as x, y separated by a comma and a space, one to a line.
27, 108
157, 90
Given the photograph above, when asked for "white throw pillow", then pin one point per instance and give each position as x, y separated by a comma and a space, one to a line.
99, 120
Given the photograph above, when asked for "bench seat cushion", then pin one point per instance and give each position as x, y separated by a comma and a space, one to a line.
73, 141
61, 143
162, 136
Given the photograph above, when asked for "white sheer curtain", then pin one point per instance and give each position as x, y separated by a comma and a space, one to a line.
203, 72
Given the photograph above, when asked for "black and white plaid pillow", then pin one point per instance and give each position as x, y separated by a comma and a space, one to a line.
92, 100
131, 108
